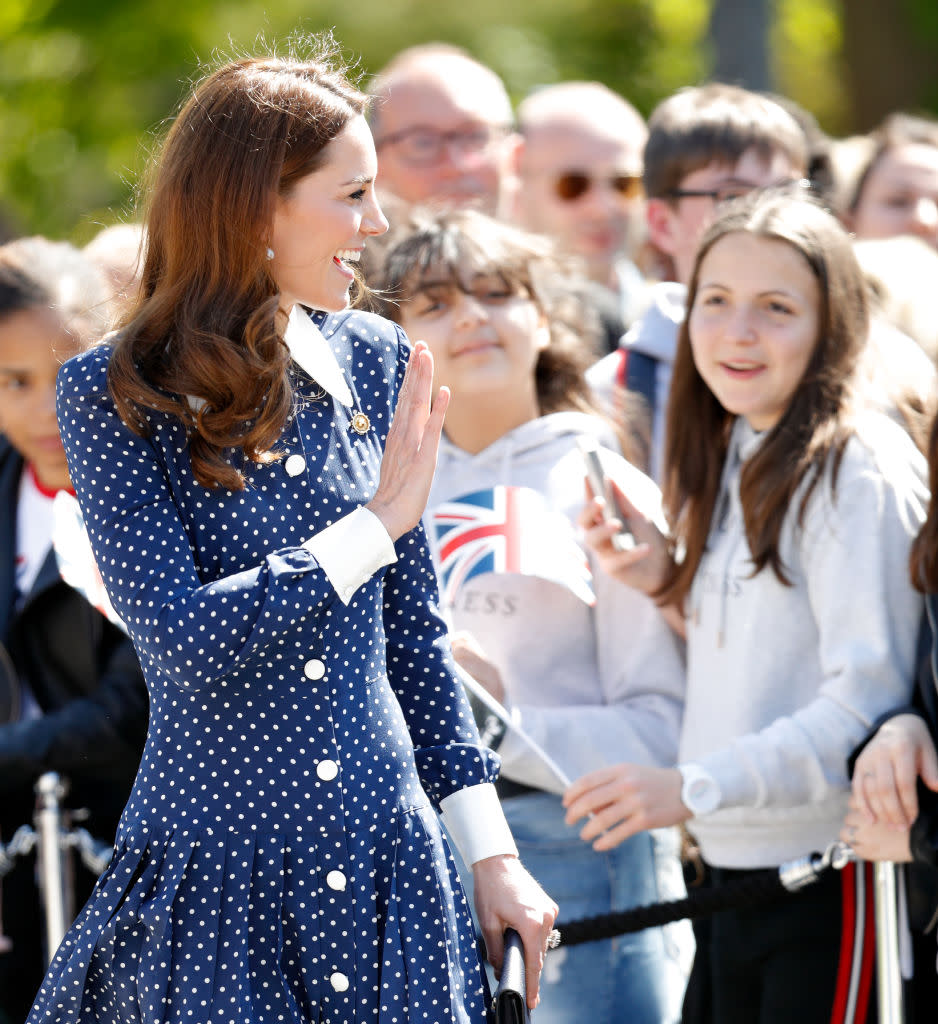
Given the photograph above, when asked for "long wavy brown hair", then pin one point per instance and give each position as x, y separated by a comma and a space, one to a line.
814, 429
206, 326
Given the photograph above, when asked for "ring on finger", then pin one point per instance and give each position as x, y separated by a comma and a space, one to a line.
553, 939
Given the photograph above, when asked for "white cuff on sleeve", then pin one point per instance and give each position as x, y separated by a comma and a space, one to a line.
476, 823
352, 550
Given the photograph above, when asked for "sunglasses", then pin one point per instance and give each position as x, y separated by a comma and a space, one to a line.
573, 185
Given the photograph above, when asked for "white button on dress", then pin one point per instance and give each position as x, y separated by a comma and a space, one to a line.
314, 669
294, 465
327, 770
339, 981
336, 880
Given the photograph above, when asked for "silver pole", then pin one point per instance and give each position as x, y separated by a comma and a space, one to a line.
54, 866
888, 968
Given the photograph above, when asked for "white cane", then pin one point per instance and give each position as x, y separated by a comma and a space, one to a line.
54, 866
888, 968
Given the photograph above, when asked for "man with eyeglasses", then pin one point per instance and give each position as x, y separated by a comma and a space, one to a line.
443, 130
580, 182
706, 145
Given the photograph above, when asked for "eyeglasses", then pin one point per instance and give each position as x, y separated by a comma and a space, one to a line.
737, 189
573, 185
421, 146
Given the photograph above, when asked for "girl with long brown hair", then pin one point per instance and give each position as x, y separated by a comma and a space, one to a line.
792, 505
589, 668
256, 519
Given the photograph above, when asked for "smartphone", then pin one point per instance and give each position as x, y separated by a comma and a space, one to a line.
589, 449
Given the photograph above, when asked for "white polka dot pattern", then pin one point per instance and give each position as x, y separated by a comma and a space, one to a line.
279, 858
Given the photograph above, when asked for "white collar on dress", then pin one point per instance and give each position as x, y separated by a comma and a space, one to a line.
311, 351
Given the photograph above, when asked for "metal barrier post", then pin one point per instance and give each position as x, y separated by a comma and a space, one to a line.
54, 863
888, 967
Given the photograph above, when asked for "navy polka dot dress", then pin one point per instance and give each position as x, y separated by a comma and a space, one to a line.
280, 857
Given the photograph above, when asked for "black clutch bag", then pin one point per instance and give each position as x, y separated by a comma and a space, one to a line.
509, 1005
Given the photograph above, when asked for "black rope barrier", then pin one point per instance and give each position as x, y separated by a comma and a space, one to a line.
758, 889
754, 890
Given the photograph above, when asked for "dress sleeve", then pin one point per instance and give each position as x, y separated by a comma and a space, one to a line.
420, 667
192, 633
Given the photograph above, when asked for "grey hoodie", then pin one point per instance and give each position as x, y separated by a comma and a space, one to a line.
783, 682
593, 685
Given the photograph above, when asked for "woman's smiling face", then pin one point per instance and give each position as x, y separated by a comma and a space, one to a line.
321, 227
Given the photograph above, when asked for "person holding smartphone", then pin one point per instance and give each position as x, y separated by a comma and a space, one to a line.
586, 667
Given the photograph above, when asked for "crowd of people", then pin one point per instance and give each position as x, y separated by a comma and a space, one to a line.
324, 408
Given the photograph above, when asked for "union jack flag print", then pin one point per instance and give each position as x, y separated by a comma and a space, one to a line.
506, 530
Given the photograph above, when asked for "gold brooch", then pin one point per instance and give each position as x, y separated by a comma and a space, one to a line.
360, 423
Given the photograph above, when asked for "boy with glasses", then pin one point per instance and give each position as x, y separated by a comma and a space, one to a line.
706, 145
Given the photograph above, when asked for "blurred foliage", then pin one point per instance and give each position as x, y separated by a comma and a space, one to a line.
86, 86
806, 44
923, 21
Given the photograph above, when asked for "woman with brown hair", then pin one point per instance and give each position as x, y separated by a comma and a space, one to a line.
255, 517
792, 504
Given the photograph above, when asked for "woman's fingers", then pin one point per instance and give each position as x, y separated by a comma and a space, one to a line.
886, 772
411, 448
507, 896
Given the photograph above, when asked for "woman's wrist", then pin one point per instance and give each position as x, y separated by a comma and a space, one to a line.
384, 513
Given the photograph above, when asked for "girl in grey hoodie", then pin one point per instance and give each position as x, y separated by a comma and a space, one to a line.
588, 668
793, 505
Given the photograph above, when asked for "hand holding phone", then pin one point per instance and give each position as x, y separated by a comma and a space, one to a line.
589, 449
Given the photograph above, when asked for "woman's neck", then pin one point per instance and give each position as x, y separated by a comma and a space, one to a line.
474, 422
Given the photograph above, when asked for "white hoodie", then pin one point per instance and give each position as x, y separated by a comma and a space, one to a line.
592, 685
784, 681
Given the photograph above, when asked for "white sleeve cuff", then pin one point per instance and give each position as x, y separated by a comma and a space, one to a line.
352, 550
476, 823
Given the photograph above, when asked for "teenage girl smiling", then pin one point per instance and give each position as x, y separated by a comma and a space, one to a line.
792, 506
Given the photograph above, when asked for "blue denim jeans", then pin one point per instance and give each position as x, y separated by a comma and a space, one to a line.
639, 977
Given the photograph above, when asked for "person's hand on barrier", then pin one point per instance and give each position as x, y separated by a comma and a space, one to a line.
874, 840
411, 447
506, 895
469, 655
623, 800
885, 774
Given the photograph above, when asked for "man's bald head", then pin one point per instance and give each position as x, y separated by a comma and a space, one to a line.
580, 170
442, 126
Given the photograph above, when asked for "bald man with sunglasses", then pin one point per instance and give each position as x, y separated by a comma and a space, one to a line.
580, 181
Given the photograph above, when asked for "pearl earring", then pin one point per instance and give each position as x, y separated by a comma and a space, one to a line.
270, 253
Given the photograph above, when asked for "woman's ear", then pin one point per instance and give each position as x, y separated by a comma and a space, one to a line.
542, 334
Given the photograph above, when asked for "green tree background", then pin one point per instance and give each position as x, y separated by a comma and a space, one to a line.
86, 86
